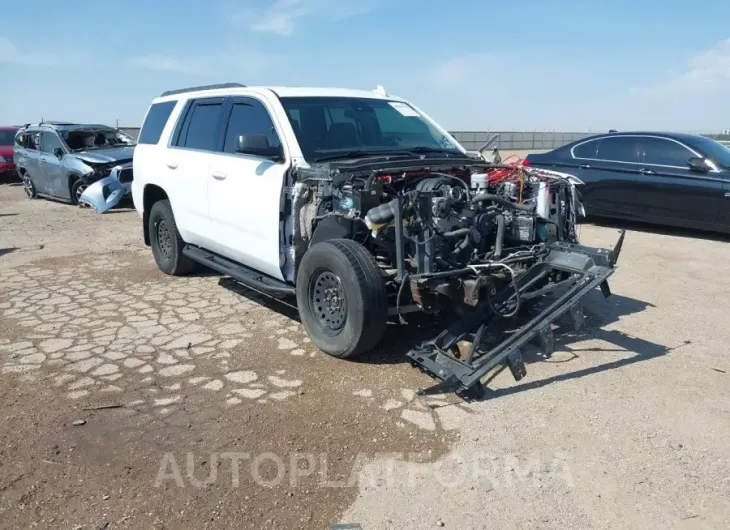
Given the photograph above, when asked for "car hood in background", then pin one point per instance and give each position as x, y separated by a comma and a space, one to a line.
104, 156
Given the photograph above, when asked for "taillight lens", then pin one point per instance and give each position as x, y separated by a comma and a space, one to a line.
526, 163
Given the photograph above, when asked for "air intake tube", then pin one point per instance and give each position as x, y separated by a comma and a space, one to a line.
382, 215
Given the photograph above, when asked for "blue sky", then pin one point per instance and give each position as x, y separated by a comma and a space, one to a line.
472, 65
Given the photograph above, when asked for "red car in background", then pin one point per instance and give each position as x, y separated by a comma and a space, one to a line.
7, 139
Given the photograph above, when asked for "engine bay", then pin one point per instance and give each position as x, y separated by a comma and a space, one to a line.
449, 234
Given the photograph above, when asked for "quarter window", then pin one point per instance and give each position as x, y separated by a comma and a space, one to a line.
155, 122
586, 150
661, 152
618, 149
249, 117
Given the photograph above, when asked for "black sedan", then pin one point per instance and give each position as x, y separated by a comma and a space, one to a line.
673, 179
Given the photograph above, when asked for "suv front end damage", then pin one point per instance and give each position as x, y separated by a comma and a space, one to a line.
455, 236
108, 192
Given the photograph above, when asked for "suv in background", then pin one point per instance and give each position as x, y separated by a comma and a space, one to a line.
60, 160
7, 163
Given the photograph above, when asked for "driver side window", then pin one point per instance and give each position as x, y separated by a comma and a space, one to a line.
50, 142
249, 118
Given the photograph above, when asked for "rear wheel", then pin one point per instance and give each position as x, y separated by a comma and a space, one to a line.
341, 297
29, 187
167, 245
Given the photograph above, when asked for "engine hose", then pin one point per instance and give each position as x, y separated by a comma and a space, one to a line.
460, 232
500, 236
502, 201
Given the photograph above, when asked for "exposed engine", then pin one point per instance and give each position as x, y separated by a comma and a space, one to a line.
431, 227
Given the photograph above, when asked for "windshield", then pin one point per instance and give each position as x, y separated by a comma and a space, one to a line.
7, 137
84, 139
326, 126
713, 150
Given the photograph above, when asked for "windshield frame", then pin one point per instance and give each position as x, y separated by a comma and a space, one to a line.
450, 145
62, 133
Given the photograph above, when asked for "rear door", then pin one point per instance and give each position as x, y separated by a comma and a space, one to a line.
187, 163
609, 167
668, 189
31, 161
50, 165
245, 189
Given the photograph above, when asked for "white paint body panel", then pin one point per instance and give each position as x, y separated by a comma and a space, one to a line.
230, 204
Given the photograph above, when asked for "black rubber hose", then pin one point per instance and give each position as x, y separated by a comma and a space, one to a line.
500, 236
460, 232
502, 201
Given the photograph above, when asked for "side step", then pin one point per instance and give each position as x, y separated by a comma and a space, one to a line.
248, 277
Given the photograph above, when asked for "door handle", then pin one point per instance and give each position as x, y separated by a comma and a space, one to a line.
647, 171
218, 175
172, 165
584, 166
727, 195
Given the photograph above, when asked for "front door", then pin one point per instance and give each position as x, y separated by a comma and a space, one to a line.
669, 190
245, 189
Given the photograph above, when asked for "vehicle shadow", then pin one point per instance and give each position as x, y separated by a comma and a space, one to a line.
639, 226
8, 250
599, 313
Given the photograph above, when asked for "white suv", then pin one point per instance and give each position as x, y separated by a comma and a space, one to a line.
355, 202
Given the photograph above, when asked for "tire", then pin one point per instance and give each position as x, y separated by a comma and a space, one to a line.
343, 304
29, 187
77, 188
166, 243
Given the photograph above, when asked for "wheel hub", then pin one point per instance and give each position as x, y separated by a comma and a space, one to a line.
328, 302
164, 239
79, 191
27, 186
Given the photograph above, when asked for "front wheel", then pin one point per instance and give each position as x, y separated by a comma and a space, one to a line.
341, 297
167, 245
77, 189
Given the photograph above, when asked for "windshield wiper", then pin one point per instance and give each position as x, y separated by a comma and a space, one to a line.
423, 149
359, 153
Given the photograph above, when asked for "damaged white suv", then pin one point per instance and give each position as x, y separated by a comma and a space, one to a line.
360, 206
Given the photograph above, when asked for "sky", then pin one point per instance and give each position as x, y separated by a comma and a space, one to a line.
470, 64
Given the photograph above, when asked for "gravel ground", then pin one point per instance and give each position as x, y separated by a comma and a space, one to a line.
131, 399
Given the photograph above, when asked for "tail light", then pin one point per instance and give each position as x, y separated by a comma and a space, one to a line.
526, 163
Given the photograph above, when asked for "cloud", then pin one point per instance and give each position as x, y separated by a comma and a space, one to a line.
282, 17
10, 53
248, 62
707, 71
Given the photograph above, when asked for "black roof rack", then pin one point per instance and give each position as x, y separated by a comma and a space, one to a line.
204, 87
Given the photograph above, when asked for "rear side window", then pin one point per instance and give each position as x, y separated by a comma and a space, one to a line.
659, 151
249, 117
155, 122
618, 149
200, 129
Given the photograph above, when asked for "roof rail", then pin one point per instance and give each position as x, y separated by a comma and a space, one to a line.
203, 87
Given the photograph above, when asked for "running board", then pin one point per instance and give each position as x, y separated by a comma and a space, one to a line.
588, 268
242, 274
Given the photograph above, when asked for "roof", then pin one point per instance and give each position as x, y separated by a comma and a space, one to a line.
281, 91
666, 134
65, 126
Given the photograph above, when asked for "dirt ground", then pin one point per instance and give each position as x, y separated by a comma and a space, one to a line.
129, 399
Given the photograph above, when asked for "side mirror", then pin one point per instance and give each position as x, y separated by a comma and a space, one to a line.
58, 152
700, 164
257, 145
